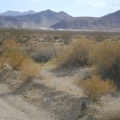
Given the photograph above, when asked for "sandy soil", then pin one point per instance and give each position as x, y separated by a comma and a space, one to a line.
14, 107
55, 97
65, 79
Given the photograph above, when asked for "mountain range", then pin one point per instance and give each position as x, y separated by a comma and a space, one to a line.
16, 13
110, 22
43, 19
59, 20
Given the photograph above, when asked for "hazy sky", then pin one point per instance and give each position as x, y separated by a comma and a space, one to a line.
72, 7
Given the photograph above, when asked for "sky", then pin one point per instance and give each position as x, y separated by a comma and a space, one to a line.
76, 8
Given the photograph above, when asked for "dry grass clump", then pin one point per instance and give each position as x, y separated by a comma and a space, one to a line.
10, 44
107, 59
14, 58
95, 87
2, 61
12, 54
62, 52
66, 37
76, 54
29, 69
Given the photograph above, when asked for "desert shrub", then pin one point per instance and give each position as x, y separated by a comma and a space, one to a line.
95, 87
66, 37
12, 54
76, 54
14, 57
43, 52
56, 37
101, 36
10, 43
2, 61
42, 55
107, 60
29, 69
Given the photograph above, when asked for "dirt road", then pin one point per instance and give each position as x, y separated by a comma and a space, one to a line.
14, 107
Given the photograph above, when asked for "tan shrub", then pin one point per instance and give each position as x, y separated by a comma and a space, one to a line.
14, 58
107, 60
66, 37
2, 61
10, 43
95, 87
12, 54
62, 53
29, 69
77, 54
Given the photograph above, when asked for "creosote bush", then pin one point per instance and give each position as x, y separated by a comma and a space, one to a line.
95, 87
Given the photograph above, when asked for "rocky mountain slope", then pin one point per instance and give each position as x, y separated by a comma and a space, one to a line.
110, 22
39, 20
60, 20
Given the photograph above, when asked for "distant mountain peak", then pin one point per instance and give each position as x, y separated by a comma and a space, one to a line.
30, 11
61, 12
59, 20
48, 10
109, 22
16, 13
43, 19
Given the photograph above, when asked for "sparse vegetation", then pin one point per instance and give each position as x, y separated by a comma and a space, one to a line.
107, 59
29, 69
14, 58
41, 52
66, 37
2, 61
93, 57
95, 87
12, 54
77, 54
10, 44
